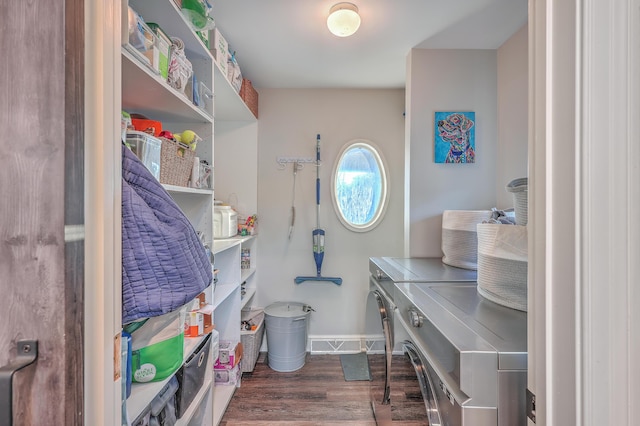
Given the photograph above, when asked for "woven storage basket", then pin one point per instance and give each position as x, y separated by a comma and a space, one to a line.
459, 237
176, 163
519, 189
251, 342
502, 264
249, 96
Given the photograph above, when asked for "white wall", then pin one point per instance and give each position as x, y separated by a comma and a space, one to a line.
236, 165
448, 80
512, 114
493, 83
289, 122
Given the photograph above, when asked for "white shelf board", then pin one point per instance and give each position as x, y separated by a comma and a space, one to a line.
224, 244
229, 104
246, 273
173, 22
222, 292
221, 244
145, 92
251, 291
187, 190
221, 398
143, 393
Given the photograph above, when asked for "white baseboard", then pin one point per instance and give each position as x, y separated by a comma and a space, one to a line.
345, 344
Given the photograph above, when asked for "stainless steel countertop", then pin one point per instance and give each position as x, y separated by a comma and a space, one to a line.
418, 269
470, 321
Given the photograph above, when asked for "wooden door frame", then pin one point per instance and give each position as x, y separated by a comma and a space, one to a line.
103, 288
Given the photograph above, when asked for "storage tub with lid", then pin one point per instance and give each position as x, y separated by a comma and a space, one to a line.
286, 327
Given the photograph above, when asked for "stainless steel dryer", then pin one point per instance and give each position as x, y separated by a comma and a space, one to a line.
384, 273
470, 354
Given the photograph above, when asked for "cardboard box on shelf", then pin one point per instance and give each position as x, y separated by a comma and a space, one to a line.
230, 354
220, 50
226, 375
199, 322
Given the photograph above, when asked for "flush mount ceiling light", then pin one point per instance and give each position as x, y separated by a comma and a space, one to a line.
343, 19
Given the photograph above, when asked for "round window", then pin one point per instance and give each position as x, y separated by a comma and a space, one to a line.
359, 190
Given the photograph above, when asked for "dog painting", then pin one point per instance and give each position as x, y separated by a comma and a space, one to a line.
455, 137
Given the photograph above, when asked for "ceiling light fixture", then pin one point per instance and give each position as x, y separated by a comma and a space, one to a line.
343, 19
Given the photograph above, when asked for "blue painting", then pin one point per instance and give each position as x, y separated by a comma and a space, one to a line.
455, 137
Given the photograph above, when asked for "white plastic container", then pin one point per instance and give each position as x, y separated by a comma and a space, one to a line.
225, 222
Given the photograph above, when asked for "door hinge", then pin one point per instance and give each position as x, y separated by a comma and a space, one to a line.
531, 406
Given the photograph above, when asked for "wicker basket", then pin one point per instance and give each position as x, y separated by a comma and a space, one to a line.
459, 239
519, 189
249, 96
502, 264
176, 163
251, 342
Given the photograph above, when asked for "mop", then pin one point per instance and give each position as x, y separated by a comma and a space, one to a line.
318, 233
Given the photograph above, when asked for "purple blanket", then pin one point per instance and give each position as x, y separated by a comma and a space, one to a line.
164, 264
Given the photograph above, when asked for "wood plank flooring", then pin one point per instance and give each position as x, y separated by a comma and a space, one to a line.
317, 394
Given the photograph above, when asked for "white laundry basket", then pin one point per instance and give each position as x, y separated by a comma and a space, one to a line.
286, 326
520, 190
459, 237
502, 264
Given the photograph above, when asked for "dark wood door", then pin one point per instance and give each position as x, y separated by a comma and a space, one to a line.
41, 205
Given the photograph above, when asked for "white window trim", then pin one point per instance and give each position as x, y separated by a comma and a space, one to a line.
382, 163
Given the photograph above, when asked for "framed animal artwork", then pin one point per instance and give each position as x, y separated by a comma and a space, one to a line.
455, 137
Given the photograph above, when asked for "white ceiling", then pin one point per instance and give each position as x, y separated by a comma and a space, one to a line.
286, 43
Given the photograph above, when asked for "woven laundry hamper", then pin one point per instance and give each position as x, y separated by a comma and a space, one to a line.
502, 264
459, 238
519, 188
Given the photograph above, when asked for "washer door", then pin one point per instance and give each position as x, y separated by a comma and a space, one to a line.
385, 320
379, 317
426, 384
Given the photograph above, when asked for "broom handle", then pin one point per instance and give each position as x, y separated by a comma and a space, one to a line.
318, 182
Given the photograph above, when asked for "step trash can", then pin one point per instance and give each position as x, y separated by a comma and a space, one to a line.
286, 328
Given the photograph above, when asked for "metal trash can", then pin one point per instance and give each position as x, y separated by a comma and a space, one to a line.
286, 327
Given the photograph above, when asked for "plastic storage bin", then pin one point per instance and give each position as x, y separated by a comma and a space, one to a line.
148, 149
286, 324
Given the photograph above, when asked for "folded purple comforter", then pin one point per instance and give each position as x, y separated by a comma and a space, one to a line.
164, 264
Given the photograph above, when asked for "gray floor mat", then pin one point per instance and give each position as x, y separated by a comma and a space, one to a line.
355, 366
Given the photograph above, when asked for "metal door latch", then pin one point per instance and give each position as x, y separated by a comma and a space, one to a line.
27, 354
531, 406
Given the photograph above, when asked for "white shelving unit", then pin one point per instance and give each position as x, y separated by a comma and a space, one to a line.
143, 91
228, 302
231, 114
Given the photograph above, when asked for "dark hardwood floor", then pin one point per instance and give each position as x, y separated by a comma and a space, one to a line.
317, 394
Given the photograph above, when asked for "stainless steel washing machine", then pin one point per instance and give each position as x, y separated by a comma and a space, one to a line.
470, 353
384, 273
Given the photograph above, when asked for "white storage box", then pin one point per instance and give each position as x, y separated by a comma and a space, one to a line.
502, 264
